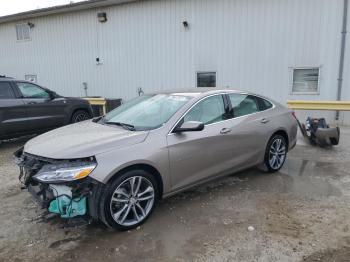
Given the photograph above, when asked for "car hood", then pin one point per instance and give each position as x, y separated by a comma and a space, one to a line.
82, 140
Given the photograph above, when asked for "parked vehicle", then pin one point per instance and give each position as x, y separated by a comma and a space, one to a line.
27, 108
114, 168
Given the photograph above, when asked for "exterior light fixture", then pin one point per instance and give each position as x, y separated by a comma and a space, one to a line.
186, 24
102, 17
31, 25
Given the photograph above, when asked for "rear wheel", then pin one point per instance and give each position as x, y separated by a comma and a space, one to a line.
276, 153
129, 200
80, 115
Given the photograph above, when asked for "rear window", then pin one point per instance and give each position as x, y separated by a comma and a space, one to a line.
264, 104
243, 104
6, 91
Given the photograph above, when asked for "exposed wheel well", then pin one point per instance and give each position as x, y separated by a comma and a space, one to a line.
284, 134
147, 168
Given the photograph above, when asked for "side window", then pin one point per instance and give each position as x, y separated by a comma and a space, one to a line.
243, 104
32, 91
207, 111
263, 104
6, 91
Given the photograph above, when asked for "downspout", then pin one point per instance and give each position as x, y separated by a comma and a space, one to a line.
342, 54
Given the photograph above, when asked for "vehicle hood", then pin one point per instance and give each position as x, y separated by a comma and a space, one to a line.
82, 140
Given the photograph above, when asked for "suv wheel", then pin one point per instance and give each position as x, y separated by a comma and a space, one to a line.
79, 116
276, 153
129, 200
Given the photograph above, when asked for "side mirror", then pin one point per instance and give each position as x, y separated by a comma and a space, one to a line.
189, 126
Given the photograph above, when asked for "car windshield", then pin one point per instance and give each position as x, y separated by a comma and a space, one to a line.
146, 112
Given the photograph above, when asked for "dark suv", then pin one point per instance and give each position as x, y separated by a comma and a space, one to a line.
27, 108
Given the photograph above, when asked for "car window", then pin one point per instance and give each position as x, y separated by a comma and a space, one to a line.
32, 91
207, 111
6, 91
148, 111
243, 104
263, 104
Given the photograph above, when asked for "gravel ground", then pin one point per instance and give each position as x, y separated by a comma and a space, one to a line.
299, 214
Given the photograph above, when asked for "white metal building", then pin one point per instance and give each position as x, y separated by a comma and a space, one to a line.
284, 49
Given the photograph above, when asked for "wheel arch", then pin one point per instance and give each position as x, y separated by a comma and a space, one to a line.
147, 167
79, 109
283, 133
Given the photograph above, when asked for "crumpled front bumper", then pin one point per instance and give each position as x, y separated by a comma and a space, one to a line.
67, 199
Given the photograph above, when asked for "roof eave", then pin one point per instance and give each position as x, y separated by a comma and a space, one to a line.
74, 7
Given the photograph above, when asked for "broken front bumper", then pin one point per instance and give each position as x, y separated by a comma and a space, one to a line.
69, 198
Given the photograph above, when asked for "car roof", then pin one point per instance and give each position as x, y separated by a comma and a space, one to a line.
6, 78
11, 79
193, 92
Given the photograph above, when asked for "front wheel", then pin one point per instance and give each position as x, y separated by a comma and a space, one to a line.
276, 153
130, 200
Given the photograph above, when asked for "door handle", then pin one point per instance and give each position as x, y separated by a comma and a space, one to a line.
225, 131
264, 121
32, 103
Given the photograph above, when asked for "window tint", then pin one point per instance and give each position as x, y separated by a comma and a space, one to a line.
32, 91
243, 104
208, 111
263, 104
6, 91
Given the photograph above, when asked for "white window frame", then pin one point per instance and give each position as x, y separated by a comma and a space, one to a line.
32, 76
29, 33
207, 71
305, 68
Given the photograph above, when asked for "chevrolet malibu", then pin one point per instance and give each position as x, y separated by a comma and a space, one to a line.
115, 168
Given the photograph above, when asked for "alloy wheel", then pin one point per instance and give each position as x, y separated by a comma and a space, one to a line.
81, 117
132, 201
277, 153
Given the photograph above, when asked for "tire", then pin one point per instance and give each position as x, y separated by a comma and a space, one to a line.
123, 209
79, 116
274, 159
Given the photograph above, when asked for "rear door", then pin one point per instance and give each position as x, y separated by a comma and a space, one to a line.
42, 111
249, 130
12, 111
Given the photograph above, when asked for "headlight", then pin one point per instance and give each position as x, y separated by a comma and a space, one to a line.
56, 173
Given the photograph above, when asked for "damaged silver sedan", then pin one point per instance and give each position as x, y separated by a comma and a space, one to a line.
114, 168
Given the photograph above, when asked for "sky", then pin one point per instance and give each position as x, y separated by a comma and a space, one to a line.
8, 7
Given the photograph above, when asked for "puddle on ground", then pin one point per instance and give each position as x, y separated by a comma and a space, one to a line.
171, 233
300, 177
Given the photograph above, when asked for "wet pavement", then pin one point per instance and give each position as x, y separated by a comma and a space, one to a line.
299, 214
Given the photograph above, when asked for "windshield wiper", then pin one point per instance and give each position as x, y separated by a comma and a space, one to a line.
123, 125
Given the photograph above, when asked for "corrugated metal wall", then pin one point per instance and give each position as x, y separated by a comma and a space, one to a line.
251, 44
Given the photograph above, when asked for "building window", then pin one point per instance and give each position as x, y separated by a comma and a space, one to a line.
306, 80
206, 79
23, 32
31, 78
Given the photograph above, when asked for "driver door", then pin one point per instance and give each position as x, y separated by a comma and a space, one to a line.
195, 156
42, 111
